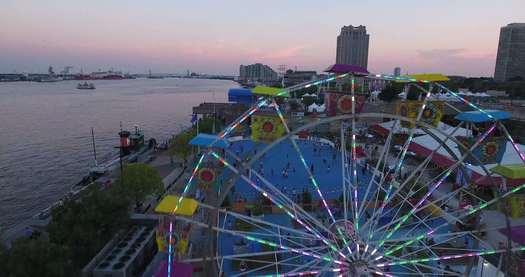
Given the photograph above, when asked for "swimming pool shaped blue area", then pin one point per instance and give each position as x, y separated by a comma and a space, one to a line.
322, 158
282, 167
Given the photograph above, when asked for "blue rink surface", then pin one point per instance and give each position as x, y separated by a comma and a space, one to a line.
326, 163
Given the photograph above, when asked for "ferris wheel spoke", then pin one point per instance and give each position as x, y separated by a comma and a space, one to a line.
354, 160
384, 155
327, 258
433, 246
451, 257
269, 264
255, 220
313, 264
446, 235
435, 269
435, 186
384, 152
279, 195
505, 131
343, 169
292, 213
422, 166
279, 199
244, 255
304, 273
443, 199
312, 178
297, 270
429, 204
303, 161
404, 149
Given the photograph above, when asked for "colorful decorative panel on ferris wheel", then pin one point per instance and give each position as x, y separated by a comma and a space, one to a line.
410, 108
341, 103
490, 151
267, 128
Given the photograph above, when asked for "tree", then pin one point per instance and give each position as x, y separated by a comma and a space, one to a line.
307, 101
206, 125
180, 144
84, 227
139, 181
30, 257
389, 93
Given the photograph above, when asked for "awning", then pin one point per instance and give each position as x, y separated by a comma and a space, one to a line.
346, 68
240, 95
269, 91
206, 140
511, 171
187, 206
431, 77
477, 117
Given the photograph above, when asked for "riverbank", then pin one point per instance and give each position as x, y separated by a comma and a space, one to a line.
47, 146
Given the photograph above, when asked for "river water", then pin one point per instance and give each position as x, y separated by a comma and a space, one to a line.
45, 131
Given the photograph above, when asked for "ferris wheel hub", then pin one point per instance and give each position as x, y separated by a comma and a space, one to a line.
358, 269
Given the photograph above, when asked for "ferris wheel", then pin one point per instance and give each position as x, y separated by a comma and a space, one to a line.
353, 193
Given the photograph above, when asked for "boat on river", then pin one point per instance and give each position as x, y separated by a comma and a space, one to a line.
85, 85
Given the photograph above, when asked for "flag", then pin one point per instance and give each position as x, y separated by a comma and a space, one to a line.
193, 119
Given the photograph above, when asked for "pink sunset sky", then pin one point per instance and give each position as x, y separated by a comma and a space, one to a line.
214, 36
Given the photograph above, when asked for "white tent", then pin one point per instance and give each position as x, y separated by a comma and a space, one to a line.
309, 95
316, 108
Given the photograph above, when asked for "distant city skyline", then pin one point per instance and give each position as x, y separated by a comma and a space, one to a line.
448, 36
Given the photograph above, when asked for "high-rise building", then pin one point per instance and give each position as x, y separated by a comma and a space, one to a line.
352, 46
510, 61
257, 73
397, 71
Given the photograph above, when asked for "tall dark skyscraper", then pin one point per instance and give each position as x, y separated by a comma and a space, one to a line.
510, 61
352, 46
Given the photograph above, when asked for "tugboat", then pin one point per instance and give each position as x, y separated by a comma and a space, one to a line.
85, 85
133, 148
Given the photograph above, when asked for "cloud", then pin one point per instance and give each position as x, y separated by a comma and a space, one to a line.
441, 53
286, 53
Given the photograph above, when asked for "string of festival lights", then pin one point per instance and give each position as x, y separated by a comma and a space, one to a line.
264, 101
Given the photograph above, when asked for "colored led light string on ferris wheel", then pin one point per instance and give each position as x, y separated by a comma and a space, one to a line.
482, 206
354, 159
261, 102
516, 148
281, 117
399, 165
473, 254
342, 236
265, 194
272, 244
179, 201
509, 137
302, 273
442, 179
311, 177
